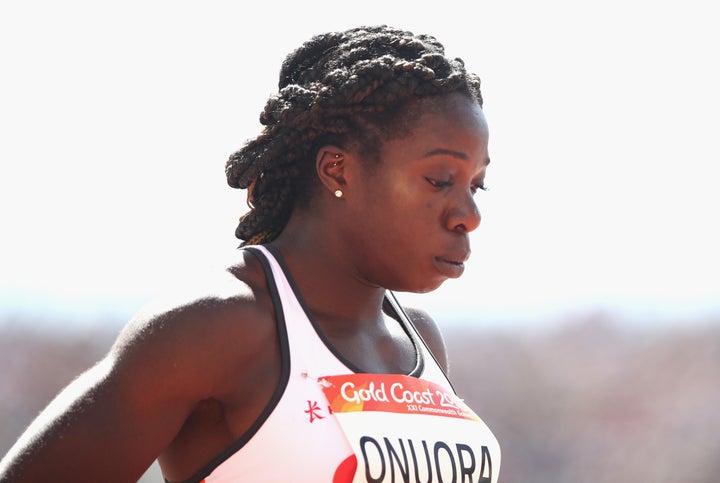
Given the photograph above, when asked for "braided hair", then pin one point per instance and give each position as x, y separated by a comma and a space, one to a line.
337, 88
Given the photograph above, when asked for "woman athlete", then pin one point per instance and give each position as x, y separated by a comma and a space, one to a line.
296, 363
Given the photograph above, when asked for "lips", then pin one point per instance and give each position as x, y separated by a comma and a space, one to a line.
452, 265
457, 256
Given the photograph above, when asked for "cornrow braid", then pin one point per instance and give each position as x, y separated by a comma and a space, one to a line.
336, 88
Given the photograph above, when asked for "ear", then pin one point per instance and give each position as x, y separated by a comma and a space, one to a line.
330, 163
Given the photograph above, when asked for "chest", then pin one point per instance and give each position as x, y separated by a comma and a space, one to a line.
387, 349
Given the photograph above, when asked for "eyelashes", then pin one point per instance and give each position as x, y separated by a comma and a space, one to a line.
440, 184
480, 187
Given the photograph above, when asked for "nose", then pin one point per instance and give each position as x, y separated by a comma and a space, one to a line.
464, 216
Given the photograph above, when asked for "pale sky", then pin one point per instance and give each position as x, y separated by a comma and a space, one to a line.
116, 120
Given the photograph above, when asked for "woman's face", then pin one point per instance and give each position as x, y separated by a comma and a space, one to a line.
411, 214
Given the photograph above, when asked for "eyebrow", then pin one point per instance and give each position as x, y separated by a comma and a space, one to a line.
449, 152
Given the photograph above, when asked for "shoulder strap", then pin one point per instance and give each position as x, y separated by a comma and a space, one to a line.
405, 319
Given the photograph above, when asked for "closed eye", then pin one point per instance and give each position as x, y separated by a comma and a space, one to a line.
439, 184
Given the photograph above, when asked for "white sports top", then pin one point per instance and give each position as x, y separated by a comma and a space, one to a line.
297, 438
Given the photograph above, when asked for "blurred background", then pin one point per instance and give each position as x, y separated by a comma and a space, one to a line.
586, 330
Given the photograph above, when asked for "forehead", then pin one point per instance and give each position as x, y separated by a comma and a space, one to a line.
453, 122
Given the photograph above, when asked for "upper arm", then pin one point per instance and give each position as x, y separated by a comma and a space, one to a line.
104, 419
99, 422
430, 332
114, 420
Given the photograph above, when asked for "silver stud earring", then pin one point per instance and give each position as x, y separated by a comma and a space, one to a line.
338, 193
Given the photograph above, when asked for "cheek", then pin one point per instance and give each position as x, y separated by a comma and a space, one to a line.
395, 206
418, 213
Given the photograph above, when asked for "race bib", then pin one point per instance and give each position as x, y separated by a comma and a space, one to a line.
405, 429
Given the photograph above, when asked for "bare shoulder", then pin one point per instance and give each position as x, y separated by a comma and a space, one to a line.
172, 355
219, 310
430, 332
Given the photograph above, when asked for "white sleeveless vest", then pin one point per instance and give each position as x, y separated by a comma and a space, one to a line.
297, 437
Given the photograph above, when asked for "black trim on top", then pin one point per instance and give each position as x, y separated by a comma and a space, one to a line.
279, 390
402, 318
395, 304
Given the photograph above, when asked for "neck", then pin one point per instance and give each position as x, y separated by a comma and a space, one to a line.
327, 276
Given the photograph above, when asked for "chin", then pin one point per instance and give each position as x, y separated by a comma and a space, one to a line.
427, 287
418, 281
